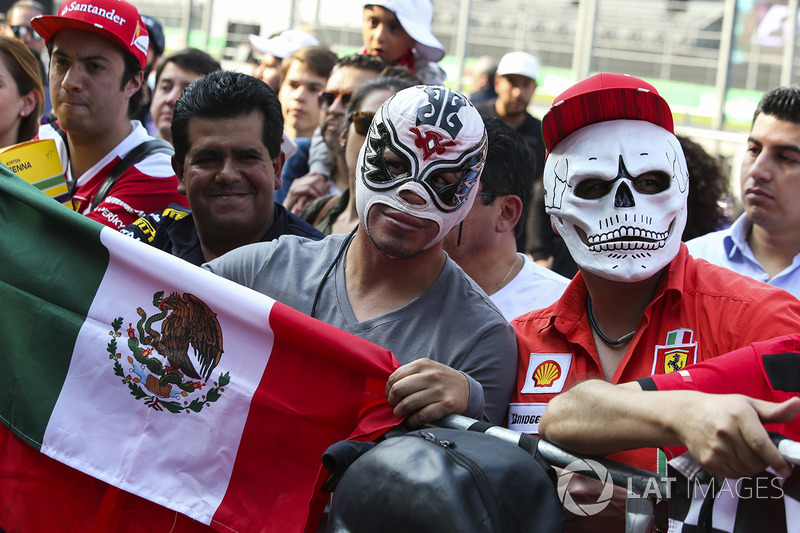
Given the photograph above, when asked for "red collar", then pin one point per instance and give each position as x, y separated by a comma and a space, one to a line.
406, 61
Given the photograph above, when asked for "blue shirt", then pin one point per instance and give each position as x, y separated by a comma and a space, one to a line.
729, 248
295, 167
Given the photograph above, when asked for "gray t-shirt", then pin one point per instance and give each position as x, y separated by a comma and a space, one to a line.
453, 322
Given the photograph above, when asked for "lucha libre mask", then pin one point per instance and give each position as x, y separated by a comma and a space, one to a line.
427, 140
616, 192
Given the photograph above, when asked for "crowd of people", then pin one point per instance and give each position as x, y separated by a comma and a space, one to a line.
564, 276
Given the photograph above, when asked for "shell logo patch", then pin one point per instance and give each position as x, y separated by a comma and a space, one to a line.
547, 373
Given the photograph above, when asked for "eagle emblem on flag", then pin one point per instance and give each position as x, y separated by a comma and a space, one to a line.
161, 370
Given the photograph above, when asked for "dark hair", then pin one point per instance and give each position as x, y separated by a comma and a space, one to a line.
782, 103
509, 167
398, 71
708, 186
24, 68
318, 59
191, 59
363, 62
226, 94
383, 83
132, 68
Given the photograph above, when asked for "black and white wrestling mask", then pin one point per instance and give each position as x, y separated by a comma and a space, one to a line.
427, 140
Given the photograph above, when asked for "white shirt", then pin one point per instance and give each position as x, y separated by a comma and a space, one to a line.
534, 287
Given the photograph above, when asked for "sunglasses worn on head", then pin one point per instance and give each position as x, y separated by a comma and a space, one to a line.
20, 32
326, 99
361, 121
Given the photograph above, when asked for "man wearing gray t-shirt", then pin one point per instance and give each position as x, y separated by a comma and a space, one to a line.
389, 281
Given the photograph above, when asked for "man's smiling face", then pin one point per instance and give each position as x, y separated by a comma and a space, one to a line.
229, 176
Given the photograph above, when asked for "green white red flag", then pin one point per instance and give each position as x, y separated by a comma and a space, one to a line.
138, 392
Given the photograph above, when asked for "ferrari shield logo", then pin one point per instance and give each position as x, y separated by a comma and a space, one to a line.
676, 353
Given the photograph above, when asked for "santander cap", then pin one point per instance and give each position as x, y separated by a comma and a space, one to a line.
157, 40
115, 20
604, 96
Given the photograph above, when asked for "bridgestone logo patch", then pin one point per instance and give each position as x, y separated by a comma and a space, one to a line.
525, 417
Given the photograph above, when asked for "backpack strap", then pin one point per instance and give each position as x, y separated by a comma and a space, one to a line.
325, 208
61, 133
154, 146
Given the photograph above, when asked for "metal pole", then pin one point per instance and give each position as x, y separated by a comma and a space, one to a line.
187, 27
461, 39
623, 475
207, 25
292, 10
789, 46
584, 39
724, 61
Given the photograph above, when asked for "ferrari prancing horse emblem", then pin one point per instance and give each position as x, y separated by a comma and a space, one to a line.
173, 379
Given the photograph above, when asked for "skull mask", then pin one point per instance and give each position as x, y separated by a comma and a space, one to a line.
427, 140
616, 192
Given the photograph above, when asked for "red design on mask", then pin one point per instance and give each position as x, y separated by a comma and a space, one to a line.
431, 143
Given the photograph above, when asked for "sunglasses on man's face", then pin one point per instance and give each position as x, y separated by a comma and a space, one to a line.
361, 121
20, 32
327, 98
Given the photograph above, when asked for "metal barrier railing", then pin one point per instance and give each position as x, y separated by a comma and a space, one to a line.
641, 484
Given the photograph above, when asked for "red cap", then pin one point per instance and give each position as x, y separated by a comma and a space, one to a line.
115, 20
604, 96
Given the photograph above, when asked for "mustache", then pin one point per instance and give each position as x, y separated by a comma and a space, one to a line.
338, 121
64, 98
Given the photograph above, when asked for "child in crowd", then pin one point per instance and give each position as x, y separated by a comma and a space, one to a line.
399, 31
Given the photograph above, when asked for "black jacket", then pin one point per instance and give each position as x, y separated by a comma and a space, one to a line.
174, 231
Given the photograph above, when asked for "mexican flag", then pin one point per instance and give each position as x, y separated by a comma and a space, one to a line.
141, 393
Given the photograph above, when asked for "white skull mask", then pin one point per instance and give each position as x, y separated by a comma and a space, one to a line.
616, 192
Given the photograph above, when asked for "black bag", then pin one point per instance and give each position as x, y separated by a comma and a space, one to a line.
443, 480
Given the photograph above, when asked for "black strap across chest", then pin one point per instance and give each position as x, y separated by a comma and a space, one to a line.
154, 146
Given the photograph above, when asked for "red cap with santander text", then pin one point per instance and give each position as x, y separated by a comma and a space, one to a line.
114, 20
